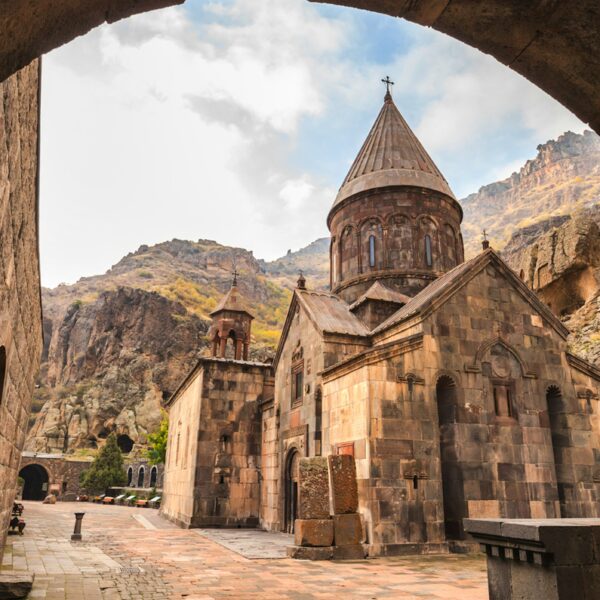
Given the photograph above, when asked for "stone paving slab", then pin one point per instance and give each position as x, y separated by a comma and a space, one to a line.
120, 559
250, 543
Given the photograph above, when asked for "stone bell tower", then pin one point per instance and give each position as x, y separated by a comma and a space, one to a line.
395, 219
231, 326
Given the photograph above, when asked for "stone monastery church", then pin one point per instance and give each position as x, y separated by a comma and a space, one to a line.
449, 382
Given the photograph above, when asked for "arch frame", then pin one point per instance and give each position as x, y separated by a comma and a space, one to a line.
475, 365
292, 452
46, 475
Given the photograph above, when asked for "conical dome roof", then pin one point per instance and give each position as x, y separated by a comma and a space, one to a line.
392, 155
232, 302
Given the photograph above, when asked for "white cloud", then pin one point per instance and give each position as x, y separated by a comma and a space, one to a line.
159, 127
165, 125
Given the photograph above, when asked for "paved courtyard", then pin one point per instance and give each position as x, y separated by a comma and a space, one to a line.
130, 553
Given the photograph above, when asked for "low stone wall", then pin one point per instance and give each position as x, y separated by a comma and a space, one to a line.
553, 559
63, 472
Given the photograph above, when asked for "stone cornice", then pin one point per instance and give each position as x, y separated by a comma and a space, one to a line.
372, 355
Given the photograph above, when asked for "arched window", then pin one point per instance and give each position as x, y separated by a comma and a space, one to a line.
2, 371
140, 480
153, 477
225, 443
129, 475
428, 254
372, 262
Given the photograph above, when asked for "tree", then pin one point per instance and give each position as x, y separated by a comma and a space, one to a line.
107, 469
157, 442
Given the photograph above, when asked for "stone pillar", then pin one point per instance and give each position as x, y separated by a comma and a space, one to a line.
238, 349
245, 350
553, 559
348, 536
223, 348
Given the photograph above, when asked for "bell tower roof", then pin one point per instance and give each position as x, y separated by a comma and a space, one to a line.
392, 156
233, 301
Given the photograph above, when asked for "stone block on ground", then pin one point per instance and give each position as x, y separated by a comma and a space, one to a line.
313, 532
349, 552
313, 492
347, 529
310, 553
13, 585
344, 490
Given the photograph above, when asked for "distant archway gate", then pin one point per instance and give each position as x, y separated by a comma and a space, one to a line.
552, 43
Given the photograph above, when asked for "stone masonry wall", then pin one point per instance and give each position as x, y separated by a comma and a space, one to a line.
399, 219
182, 448
20, 307
227, 487
63, 472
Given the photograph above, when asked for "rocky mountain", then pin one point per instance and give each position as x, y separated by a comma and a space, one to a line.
117, 343
564, 176
560, 259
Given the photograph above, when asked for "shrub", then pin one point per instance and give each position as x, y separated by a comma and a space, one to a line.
107, 469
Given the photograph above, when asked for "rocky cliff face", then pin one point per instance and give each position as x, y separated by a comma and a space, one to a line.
564, 176
560, 260
108, 365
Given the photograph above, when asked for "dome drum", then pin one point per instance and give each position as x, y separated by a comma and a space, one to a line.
407, 236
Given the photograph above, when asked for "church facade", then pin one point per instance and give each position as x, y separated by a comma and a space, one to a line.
449, 382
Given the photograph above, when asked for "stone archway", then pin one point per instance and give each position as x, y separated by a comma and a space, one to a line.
36, 482
553, 44
291, 490
452, 489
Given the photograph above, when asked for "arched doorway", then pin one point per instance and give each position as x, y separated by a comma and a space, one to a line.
452, 485
129, 475
36, 482
153, 477
291, 490
140, 480
560, 439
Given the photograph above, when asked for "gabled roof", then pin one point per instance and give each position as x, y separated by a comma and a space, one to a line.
449, 283
327, 312
330, 314
392, 155
382, 293
233, 301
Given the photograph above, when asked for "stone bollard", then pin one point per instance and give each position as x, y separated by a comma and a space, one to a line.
77, 531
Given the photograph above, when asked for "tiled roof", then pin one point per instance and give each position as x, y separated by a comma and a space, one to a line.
232, 301
378, 291
330, 313
392, 155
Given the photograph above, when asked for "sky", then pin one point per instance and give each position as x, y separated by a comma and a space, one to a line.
237, 120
